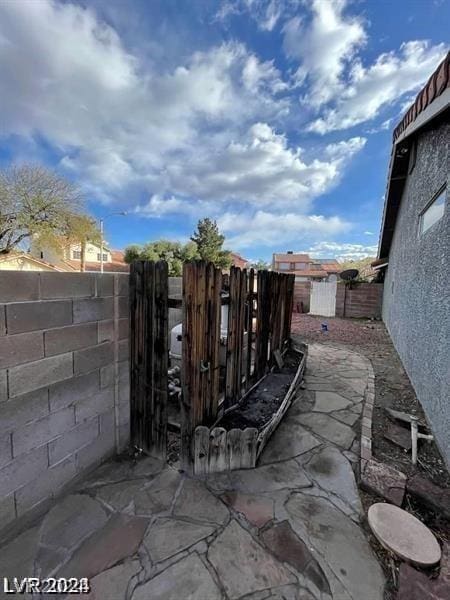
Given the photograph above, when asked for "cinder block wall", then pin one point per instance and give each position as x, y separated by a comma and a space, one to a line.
362, 301
64, 382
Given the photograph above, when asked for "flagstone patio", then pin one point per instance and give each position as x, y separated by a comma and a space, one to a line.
289, 529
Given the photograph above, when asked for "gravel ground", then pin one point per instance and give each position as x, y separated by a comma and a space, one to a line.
392, 386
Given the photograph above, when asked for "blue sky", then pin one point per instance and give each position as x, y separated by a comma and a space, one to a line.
273, 117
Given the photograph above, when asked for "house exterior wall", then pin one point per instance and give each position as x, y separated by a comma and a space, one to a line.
23, 264
64, 383
416, 299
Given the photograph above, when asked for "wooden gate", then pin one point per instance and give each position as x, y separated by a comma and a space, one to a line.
149, 354
323, 298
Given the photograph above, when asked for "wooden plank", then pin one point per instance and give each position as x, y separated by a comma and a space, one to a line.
161, 360
217, 450
187, 368
201, 450
234, 449
215, 344
250, 301
231, 339
248, 447
265, 433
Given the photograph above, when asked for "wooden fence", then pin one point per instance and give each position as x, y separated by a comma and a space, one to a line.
149, 355
271, 305
208, 389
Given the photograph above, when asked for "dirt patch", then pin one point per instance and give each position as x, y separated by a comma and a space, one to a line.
263, 402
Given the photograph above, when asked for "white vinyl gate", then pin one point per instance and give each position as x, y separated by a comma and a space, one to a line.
323, 298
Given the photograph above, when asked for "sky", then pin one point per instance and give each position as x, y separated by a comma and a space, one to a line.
273, 117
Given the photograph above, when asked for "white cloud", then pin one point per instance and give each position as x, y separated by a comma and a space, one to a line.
266, 13
119, 121
369, 89
268, 229
262, 169
369, 233
323, 46
341, 251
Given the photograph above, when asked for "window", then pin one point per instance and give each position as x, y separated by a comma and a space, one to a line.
300, 266
76, 254
105, 257
433, 212
284, 266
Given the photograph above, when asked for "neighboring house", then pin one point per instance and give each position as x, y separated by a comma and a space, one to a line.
69, 257
238, 261
306, 268
414, 250
22, 261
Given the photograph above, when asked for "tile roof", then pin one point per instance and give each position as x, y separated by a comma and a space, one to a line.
435, 86
291, 257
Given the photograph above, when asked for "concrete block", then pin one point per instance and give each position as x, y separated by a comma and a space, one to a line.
105, 284
21, 348
22, 410
22, 470
124, 393
67, 285
124, 370
2, 320
7, 509
18, 286
105, 331
124, 284
93, 454
124, 350
124, 329
107, 423
93, 358
40, 373
93, 309
48, 484
3, 386
73, 440
95, 405
74, 337
124, 309
124, 414
73, 390
30, 316
124, 436
107, 375
42, 431
5, 449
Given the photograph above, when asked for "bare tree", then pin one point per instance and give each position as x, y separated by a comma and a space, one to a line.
34, 201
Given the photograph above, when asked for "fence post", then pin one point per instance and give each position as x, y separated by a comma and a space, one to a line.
149, 356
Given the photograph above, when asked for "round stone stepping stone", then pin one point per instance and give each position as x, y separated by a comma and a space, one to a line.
403, 534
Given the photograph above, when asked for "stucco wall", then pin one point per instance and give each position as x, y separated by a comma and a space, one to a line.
416, 300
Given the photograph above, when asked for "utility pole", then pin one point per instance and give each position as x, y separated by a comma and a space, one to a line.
102, 220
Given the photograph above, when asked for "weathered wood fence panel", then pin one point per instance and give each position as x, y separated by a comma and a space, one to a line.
202, 285
236, 333
217, 450
149, 356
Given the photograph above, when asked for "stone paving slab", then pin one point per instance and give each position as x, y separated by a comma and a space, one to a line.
329, 428
286, 530
167, 537
243, 565
341, 543
188, 579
